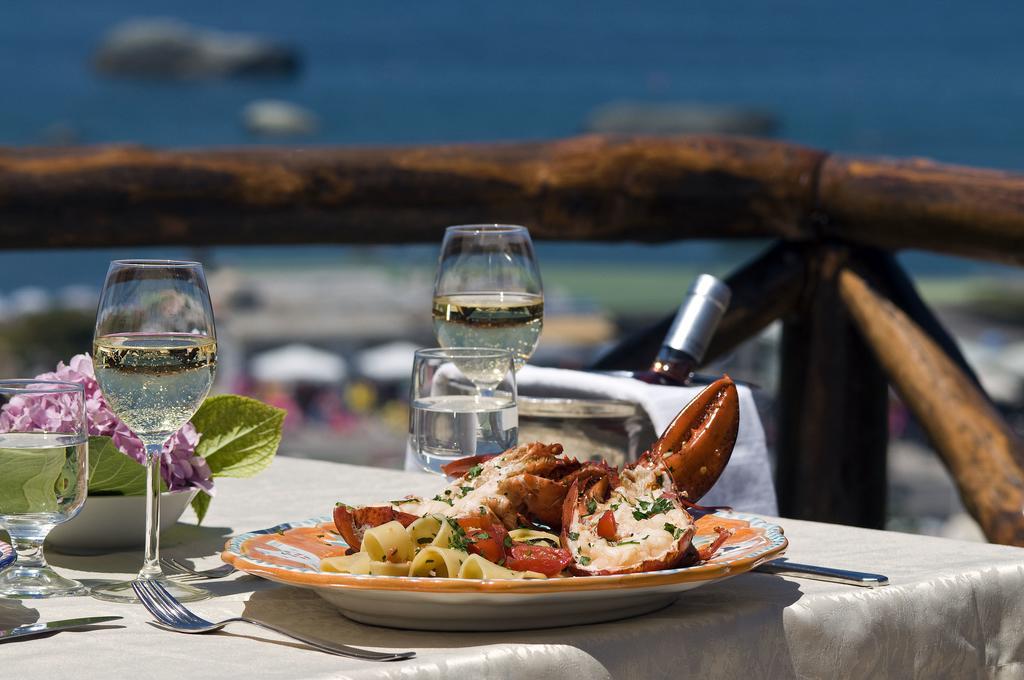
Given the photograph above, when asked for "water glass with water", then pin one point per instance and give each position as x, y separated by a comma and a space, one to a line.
463, 403
44, 466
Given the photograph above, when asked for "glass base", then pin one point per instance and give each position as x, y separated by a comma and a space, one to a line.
121, 591
36, 582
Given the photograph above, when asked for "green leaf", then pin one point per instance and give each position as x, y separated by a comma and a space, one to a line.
28, 479
112, 473
239, 435
200, 504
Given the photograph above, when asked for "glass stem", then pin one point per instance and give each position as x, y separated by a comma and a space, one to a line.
151, 564
29, 551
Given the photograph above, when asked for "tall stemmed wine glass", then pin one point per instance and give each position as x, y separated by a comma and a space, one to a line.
488, 291
155, 352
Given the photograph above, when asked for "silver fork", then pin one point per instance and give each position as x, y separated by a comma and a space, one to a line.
172, 615
178, 568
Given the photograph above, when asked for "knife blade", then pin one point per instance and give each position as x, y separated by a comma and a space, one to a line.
784, 567
31, 629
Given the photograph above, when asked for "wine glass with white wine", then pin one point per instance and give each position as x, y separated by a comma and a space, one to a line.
155, 353
488, 291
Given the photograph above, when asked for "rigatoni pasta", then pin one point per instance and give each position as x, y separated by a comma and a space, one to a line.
433, 546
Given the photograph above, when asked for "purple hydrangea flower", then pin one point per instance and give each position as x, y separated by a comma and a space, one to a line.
179, 466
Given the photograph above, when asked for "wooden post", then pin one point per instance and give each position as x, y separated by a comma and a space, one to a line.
833, 409
985, 457
886, 275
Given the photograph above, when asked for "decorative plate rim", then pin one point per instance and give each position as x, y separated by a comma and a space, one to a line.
7, 555
309, 577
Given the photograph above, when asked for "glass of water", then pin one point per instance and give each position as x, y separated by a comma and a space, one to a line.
44, 467
463, 403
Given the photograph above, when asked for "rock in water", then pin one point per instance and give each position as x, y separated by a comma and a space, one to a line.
171, 49
275, 118
667, 119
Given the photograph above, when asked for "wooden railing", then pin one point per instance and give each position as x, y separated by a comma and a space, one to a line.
853, 322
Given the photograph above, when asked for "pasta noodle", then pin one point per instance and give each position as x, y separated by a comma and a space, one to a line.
388, 568
423, 530
388, 543
359, 563
440, 562
478, 567
433, 546
443, 539
534, 536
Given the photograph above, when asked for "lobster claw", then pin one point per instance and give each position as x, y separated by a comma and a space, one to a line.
697, 444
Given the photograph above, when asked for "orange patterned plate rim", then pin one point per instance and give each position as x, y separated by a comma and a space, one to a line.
288, 553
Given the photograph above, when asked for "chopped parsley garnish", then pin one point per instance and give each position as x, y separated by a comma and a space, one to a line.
441, 498
465, 490
508, 541
658, 478
474, 471
591, 507
458, 540
482, 534
646, 509
673, 529
626, 543
573, 536
584, 560
423, 540
615, 506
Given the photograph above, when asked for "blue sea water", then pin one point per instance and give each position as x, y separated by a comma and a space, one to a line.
937, 79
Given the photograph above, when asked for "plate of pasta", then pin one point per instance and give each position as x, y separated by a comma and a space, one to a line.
422, 576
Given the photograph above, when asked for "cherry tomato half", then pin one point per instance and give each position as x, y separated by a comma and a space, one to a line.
485, 539
606, 527
546, 560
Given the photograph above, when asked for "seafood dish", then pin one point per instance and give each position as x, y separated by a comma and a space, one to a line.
534, 513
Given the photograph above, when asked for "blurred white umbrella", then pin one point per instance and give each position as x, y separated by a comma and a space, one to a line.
389, 362
298, 363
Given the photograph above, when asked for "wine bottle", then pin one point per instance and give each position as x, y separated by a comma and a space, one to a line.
691, 332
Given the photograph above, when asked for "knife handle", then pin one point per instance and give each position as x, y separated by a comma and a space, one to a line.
784, 567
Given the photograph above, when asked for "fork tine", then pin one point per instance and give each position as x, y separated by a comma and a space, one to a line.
172, 565
155, 608
162, 599
181, 610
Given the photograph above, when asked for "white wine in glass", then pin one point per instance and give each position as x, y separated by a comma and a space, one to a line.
511, 321
155, 382
155, 355
488, 291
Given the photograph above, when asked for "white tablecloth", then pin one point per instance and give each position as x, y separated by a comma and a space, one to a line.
953, 610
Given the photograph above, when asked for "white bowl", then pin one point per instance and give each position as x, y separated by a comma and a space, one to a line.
111, 523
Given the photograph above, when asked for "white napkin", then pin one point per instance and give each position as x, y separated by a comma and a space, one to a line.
746, 483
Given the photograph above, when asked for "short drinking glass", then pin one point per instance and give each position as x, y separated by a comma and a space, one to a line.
44, 470
463, 403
